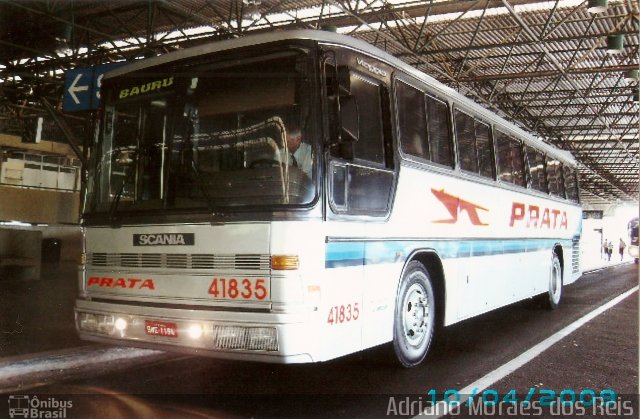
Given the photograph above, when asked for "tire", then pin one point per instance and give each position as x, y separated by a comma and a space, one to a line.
415, 316
554, 294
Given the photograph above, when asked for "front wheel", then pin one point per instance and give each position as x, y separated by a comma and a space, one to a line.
415, 320
552, 300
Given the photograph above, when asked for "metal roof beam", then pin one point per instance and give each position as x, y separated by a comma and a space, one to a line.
551, 73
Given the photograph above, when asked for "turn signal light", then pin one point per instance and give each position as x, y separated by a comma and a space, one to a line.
284, 262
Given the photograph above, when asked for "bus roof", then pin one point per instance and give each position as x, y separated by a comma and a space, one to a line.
327, 37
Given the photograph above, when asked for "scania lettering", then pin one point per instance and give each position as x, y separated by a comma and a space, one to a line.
404, 206
162, 239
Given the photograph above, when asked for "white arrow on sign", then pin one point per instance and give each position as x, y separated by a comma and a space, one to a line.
73, 89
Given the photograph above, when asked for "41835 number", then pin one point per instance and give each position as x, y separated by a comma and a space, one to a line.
343, 313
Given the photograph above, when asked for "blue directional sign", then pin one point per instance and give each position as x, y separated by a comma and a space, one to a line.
82, 87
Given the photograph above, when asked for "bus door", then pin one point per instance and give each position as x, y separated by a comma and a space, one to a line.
361, 183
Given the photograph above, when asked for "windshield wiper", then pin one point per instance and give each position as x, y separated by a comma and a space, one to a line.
116, 200
192, 164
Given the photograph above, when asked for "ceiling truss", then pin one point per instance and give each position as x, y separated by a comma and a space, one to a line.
540, 64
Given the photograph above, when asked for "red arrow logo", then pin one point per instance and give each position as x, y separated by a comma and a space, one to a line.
455, 206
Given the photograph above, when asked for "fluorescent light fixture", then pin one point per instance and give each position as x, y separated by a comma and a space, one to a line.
597, 6
632, 75
615, 44
14, 223
251, 10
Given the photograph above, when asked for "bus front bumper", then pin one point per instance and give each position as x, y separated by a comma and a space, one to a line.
245, 336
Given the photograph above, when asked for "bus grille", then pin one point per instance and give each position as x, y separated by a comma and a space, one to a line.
180, 261
575, 255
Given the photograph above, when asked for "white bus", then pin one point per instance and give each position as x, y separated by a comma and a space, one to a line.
298, 196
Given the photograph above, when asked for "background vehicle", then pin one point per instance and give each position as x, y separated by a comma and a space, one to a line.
417, 207
633, 239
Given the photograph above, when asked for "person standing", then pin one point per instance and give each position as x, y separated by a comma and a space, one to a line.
605, 249
621, 247
610, 250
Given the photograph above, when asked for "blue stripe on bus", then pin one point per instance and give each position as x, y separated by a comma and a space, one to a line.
357, 253
341, 254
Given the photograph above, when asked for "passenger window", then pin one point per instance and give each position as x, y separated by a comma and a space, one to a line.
537, 179
571, 183
518, 162
411, 121
428, 139
466, 140
503, 155
510, 162
439, 132
485, 150
554, 177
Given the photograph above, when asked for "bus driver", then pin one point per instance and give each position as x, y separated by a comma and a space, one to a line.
299, 152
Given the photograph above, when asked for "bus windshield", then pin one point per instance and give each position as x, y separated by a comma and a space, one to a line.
207, 135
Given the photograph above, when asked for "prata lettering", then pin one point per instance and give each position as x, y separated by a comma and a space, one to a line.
131, 283
533, 216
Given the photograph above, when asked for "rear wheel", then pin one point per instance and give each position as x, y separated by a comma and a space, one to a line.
415, 319
552, 300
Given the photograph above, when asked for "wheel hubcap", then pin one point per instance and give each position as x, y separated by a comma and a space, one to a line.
415, 315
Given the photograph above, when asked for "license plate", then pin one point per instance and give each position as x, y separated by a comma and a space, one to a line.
166, 329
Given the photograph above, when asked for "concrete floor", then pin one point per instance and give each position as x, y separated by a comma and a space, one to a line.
37, 328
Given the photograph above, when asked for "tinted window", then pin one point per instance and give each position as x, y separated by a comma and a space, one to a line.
466, 140
518, 162
554, 177
475, 151
368, 190
509, 156
485, 149
370, 145
439, 137
537, 178
503, 156
339, 186
209, 136
411, 120
570, 183
364, 185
